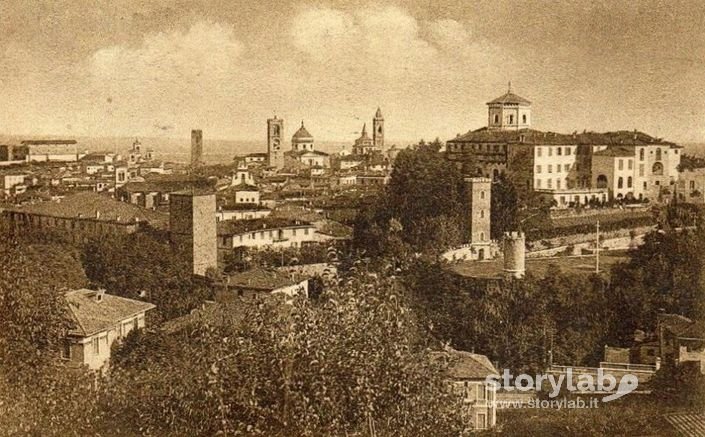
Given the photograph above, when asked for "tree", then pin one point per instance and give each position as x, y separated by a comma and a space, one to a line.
139, 266
425, 192
350, 363
505, 207
38, 394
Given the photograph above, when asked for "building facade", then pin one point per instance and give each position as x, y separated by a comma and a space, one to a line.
267, 232
570, 169
196, 148
691, 186
192, 225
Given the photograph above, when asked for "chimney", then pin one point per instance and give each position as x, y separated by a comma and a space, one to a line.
97, 215
99, 294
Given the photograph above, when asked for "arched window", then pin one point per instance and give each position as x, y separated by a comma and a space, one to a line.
482, 236
482, 213
523, 118
511, 118
658, 154
482, 194
620, 182
602, 181
657, 169
641, 155
629, 182
496, 118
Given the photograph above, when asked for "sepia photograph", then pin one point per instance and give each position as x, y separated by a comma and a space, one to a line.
352, 218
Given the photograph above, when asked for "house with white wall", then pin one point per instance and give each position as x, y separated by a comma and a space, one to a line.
99, 319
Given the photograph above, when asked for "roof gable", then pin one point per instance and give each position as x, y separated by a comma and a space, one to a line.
93, 315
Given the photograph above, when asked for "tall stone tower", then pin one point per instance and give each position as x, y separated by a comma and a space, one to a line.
275, 153
514, 255
378, 129
192, 226
196, 148
478, 192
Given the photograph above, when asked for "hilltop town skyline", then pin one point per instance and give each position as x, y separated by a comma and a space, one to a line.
149, 69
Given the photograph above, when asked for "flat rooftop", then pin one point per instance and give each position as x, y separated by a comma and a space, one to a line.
539, 266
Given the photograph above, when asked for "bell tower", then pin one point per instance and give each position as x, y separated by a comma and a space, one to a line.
275, 132
378, 129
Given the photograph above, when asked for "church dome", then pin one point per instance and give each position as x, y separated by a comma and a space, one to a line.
302, 134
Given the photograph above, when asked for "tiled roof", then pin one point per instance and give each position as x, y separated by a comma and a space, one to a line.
38, 142
295, 212
262, 279
532, 136
164, 185
510, 98
92, 316
92, 205
466, 365
616, 152
235, 227
674, 322
242, 187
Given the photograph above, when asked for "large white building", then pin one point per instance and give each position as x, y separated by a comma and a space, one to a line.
570, 169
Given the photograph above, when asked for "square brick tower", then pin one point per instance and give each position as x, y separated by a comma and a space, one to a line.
192, 226
478, 201
196, 148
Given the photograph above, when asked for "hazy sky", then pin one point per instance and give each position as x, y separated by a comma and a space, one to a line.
151, 68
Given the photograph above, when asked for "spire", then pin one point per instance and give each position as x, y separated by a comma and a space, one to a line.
364, 129
302, 123
378, 114
509, 87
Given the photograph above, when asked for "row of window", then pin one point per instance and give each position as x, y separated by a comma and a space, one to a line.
510, 118
267, 234
560, 150
559, 168
497, 148
569, 183
620, 164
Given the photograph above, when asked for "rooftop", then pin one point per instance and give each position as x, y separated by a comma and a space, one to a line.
536, 137
235, 227
165, 184
95, 311
38, 142
616, 152
465, 365
96, 206
262, 279
302, 133
509, 99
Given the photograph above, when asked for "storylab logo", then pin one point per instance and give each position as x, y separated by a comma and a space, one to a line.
600, 383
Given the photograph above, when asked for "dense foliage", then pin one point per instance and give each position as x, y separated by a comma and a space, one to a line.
349, 363
140, 266
515, 323
38, 395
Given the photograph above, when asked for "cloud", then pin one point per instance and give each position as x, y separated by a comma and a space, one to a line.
203, 56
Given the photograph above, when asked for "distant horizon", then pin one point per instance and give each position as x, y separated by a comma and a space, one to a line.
142, 68
388, 141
